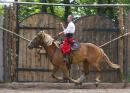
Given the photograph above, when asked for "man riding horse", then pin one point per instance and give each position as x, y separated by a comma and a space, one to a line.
68, 40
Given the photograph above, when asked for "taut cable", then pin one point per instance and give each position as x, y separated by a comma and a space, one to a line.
126, 34
15, 34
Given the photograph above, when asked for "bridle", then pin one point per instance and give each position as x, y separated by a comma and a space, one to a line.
53, 44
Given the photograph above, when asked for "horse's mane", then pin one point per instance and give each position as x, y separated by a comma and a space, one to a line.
49, 40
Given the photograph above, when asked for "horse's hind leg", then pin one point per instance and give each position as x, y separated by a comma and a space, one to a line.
54, 72
96, 64
98, 73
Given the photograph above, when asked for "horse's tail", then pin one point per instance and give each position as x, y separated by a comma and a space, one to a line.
108, 61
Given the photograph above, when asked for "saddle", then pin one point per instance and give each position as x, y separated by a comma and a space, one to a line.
75, 46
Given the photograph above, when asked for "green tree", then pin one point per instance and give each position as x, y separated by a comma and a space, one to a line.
1, 9
67, 8
63, 12
44, 8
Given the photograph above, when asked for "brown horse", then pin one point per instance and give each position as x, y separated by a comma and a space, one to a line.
89, 54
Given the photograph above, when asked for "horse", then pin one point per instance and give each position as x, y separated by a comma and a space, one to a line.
89, 54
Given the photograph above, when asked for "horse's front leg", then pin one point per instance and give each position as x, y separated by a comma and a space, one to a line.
66, 73
85, 71
54, 72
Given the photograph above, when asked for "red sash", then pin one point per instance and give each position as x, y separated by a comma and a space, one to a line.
66, 45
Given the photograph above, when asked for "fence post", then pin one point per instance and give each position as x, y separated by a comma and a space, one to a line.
1, 50
121, 43
128, 52
9, 45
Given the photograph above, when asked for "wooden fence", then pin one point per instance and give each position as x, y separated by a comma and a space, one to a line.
94, 29
98, 30
32, 66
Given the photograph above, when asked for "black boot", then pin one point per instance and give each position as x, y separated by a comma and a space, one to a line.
66, 60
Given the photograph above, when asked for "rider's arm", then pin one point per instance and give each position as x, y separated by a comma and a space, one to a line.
70, 29
61, 33
62, 28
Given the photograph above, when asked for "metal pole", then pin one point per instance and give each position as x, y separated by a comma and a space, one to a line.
71, 5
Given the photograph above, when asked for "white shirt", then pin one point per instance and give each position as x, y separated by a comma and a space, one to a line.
70, 28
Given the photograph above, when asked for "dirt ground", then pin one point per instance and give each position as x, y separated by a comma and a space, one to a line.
67, 91
64, 88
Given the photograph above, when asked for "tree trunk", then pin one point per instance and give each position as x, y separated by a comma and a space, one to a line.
100, 10
44, 8
51, 7
110, 10
67, 9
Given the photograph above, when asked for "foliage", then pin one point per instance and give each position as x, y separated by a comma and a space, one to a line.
1, 9
26, 10
63, 12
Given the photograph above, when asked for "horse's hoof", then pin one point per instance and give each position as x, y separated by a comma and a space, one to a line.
96, 84
125, 84
78, 83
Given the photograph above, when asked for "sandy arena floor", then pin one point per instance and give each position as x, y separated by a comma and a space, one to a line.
64, 88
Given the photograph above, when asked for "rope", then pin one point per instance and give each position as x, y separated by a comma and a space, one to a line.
99, 46
114, 40
15, 34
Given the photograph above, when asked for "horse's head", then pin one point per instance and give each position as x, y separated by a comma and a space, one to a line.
40, 39
36, 42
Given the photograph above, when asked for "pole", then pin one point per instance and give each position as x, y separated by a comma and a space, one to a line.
71, 5
128, 48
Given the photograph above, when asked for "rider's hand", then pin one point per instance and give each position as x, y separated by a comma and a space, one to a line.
59, 34
61, 24
56, 37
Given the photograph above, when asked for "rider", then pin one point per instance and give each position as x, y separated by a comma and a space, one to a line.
68, 40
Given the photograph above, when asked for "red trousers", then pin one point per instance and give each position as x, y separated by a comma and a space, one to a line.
66, 45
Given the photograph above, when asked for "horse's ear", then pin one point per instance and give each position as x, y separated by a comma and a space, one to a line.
43, 31
40, 33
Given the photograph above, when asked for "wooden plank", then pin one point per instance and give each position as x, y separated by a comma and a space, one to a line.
25, 56
42, 64
32, 56
34, 63
28, 55
20, 75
